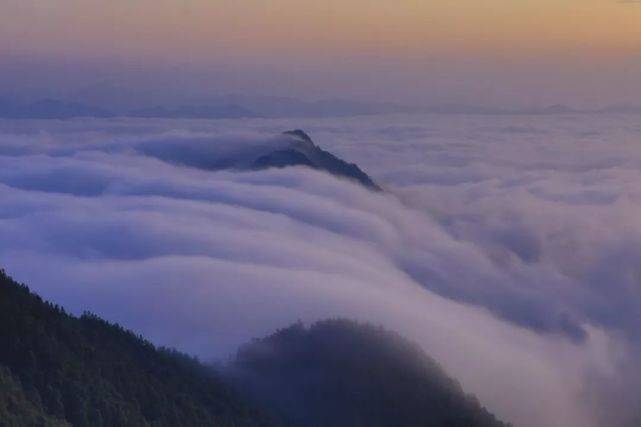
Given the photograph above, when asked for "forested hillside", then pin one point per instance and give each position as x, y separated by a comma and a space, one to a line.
343, 373
56, 368
60, 370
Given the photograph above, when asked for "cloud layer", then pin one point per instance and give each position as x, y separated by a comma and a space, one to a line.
510, 248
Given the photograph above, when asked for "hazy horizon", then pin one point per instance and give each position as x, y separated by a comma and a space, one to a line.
510, 54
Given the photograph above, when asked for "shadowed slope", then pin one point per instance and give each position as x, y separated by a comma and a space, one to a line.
59, 370
342, 373
88, 372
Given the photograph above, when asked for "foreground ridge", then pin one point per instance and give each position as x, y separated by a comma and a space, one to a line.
59, 370
56, 369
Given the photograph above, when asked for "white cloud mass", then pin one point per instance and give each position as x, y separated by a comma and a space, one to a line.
509, 247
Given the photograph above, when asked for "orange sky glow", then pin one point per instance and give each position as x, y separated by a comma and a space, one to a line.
464, 49
207, 29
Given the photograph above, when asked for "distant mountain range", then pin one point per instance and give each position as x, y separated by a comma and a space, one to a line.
229, 107
237, 107
49, 109
56, 109
226, 111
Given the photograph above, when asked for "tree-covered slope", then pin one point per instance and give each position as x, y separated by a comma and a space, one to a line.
57, 369
16, 410
342, 373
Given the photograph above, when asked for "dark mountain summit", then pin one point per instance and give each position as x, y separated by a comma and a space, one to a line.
303, 152
291, 148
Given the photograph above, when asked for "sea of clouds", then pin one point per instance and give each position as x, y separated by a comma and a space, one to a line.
509, 247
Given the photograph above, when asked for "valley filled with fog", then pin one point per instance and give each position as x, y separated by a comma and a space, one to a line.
507, 246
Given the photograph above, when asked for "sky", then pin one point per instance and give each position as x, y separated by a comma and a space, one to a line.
499, 52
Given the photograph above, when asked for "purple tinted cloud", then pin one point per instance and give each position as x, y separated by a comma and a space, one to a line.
533, 219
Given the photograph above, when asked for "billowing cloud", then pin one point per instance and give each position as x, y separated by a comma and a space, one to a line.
512, 259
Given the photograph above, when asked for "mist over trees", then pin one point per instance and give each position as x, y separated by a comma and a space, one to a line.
60, 370
342, 373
